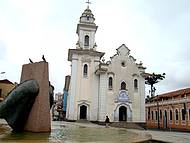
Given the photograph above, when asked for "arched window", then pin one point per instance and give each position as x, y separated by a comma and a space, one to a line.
170, 115
152, 115
86, 40
85, 70
156, 113
110, 83
161, 114
176, 115
123, 86
183, 112
148, 113
135, 84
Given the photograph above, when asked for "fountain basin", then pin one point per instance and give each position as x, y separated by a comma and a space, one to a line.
72, 132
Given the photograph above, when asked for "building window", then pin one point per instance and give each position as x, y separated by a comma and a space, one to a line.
176, 115
110, 83
161, 114
136, 84
148, 113
123, 86
86, 40
85, 70
183, 112
123, 64
152, 115
170, 115
156, 112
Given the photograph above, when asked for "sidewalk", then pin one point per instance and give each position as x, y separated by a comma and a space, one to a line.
167, 136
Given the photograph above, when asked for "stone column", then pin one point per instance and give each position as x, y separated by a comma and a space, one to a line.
39, 118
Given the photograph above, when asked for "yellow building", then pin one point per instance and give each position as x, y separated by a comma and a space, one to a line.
5, 87
169, 111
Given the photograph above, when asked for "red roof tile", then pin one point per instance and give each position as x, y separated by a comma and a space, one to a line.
175, 93
6, 81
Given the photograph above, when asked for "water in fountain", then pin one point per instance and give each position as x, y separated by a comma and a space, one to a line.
73, 132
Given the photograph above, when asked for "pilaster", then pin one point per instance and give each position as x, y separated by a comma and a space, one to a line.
72, 96
102, 97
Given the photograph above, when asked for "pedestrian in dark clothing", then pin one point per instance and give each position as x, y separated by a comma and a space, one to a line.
107, 121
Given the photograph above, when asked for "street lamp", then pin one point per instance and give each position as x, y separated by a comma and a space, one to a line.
2, 72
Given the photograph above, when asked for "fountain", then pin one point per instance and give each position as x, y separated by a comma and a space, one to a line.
68, 132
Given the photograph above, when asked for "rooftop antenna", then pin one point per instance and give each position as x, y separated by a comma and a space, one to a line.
88, 2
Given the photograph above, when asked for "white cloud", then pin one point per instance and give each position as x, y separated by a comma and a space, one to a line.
156, 32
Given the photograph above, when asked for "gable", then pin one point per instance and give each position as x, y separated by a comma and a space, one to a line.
123, 50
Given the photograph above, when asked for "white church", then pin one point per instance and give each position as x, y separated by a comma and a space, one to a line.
115, 88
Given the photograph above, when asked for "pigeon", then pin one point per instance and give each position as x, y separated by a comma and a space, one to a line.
43, 58
30, 60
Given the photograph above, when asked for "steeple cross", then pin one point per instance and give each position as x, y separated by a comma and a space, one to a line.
88, 2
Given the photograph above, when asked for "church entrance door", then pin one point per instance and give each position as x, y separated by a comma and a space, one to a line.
122, 113
83, 112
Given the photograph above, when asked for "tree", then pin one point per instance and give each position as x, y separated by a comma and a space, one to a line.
152, 79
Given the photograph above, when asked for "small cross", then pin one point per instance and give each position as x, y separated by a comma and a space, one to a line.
88, 2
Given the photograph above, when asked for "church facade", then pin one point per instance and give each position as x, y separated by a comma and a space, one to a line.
115, 88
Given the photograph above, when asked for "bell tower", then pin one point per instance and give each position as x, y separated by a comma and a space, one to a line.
82, 101
86, 29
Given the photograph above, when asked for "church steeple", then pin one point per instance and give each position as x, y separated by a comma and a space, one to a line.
86, 30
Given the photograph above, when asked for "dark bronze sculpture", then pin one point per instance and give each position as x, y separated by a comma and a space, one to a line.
15, 108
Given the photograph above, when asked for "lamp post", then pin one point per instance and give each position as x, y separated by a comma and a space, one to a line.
2, 72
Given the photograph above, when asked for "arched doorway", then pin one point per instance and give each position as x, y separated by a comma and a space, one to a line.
83, 112
122, 113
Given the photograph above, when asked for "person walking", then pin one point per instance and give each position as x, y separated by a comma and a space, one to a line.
107, 121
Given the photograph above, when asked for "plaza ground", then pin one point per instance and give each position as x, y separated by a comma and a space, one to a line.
164, 136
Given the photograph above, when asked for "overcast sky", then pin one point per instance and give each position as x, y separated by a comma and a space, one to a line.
156, 32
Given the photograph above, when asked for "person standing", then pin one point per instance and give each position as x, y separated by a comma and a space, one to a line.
107, 121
